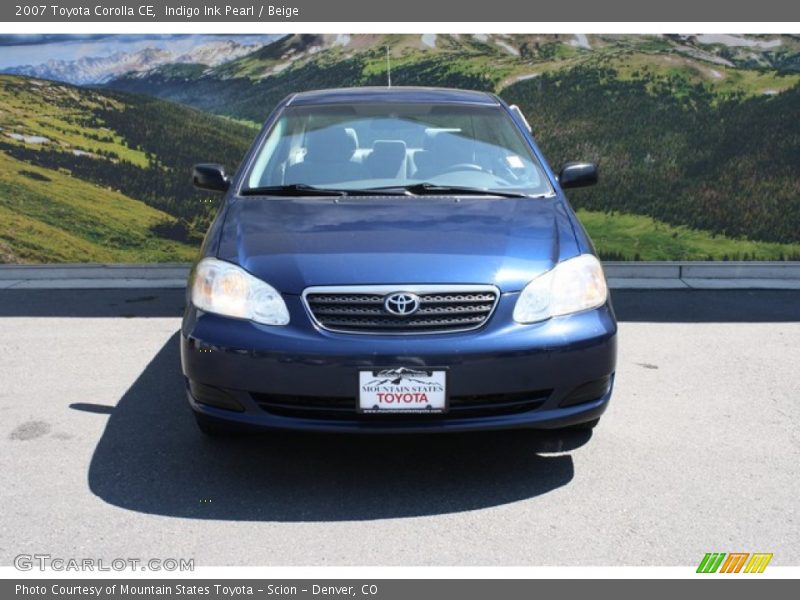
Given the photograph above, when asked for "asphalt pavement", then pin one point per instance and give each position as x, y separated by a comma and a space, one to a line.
699, 452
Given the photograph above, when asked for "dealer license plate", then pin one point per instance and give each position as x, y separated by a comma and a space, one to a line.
402, 390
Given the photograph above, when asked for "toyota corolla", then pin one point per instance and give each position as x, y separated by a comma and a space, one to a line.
397, 260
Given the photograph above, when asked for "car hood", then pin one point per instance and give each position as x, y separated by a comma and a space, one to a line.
293, 243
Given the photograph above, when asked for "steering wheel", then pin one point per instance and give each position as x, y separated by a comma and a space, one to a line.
465, 167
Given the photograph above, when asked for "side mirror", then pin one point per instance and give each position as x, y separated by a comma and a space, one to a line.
577, 174
211, 177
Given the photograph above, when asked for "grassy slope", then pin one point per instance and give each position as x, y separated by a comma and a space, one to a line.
621, 236
48, 215
58, 218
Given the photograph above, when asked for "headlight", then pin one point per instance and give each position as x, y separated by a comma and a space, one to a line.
225, 289
571, 286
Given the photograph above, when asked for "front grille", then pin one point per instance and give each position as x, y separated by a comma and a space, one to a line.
360, 309
344, 407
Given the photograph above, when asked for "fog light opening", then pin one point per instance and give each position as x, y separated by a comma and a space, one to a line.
587, 392
212, 396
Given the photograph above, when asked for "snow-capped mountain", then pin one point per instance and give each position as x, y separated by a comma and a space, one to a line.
216, 53
100, 69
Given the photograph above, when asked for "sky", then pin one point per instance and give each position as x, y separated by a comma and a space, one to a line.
16, 50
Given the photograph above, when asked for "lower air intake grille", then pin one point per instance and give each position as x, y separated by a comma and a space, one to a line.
435, 308
344, 408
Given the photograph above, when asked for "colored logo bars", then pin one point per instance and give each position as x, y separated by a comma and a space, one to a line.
733, 562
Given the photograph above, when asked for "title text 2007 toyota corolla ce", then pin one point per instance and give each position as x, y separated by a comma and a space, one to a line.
398, 259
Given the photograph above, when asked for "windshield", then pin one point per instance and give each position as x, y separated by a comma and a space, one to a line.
379, 145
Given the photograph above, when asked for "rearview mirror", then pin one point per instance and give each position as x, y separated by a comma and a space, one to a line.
211, 177
577, 174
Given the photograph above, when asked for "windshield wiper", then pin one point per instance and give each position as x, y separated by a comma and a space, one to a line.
293, 189
303, 189
424, 188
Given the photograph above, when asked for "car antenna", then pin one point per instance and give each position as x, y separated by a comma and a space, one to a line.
388, 69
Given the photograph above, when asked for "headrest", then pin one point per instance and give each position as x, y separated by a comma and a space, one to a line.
431, 133
389, 148
332, 144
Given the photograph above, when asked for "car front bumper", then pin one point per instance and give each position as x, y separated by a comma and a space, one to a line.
504, 375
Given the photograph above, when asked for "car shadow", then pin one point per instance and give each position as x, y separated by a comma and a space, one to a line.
88, 303
152, 458
707, 306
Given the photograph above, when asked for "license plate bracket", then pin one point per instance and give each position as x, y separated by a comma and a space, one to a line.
402, 390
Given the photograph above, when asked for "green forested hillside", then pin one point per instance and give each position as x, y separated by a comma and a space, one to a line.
673, 150
50, 216
103, 176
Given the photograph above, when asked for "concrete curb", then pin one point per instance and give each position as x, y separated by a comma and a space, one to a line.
704, 275
621, 275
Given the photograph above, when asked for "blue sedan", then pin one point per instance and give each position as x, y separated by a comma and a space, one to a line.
397, 260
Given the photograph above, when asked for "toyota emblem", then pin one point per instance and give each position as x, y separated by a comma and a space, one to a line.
401, 304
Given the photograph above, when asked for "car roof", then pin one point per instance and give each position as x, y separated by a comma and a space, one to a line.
392, 94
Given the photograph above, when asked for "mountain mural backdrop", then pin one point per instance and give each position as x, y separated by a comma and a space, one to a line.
697, 137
